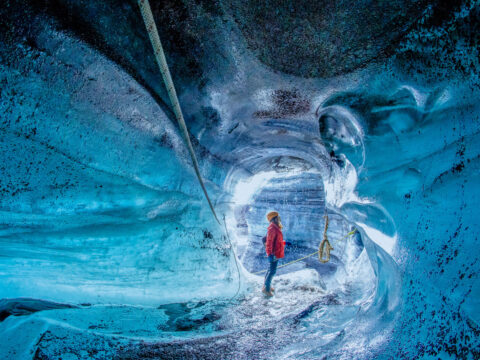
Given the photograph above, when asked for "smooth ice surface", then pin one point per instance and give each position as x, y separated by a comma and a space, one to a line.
108, 248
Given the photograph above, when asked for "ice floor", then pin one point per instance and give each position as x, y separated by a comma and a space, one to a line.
300, 313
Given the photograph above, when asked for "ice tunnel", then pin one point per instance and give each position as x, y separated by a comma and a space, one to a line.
365, 114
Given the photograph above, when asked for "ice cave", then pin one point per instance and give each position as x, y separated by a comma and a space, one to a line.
357, 121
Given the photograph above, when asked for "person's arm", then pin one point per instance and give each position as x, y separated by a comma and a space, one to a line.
270, 241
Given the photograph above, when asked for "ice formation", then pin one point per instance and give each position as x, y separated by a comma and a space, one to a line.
108, 247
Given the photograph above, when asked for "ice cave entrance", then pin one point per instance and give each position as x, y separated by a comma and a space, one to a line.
294, 188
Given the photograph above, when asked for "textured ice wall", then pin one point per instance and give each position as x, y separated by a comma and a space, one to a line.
98, 200
421, 164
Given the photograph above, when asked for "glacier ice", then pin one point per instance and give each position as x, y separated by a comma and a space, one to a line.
108, 248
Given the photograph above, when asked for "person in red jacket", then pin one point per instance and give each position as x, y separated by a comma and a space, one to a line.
274, 247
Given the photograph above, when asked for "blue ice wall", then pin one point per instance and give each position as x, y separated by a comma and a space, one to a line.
421, 164
98, 200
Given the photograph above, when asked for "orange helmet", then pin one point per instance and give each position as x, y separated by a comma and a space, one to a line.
271, 215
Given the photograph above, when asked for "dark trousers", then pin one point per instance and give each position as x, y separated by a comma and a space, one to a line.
270, 273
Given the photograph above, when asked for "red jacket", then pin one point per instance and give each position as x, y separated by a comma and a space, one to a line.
275, 244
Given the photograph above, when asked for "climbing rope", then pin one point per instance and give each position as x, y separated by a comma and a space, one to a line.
235, 257
172, 94
319, 251
325, 242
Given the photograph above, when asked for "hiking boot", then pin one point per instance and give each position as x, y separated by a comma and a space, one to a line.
267, 293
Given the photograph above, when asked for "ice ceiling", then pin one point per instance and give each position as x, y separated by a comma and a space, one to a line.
367, 112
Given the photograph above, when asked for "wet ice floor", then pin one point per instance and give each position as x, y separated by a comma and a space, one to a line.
249, 323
